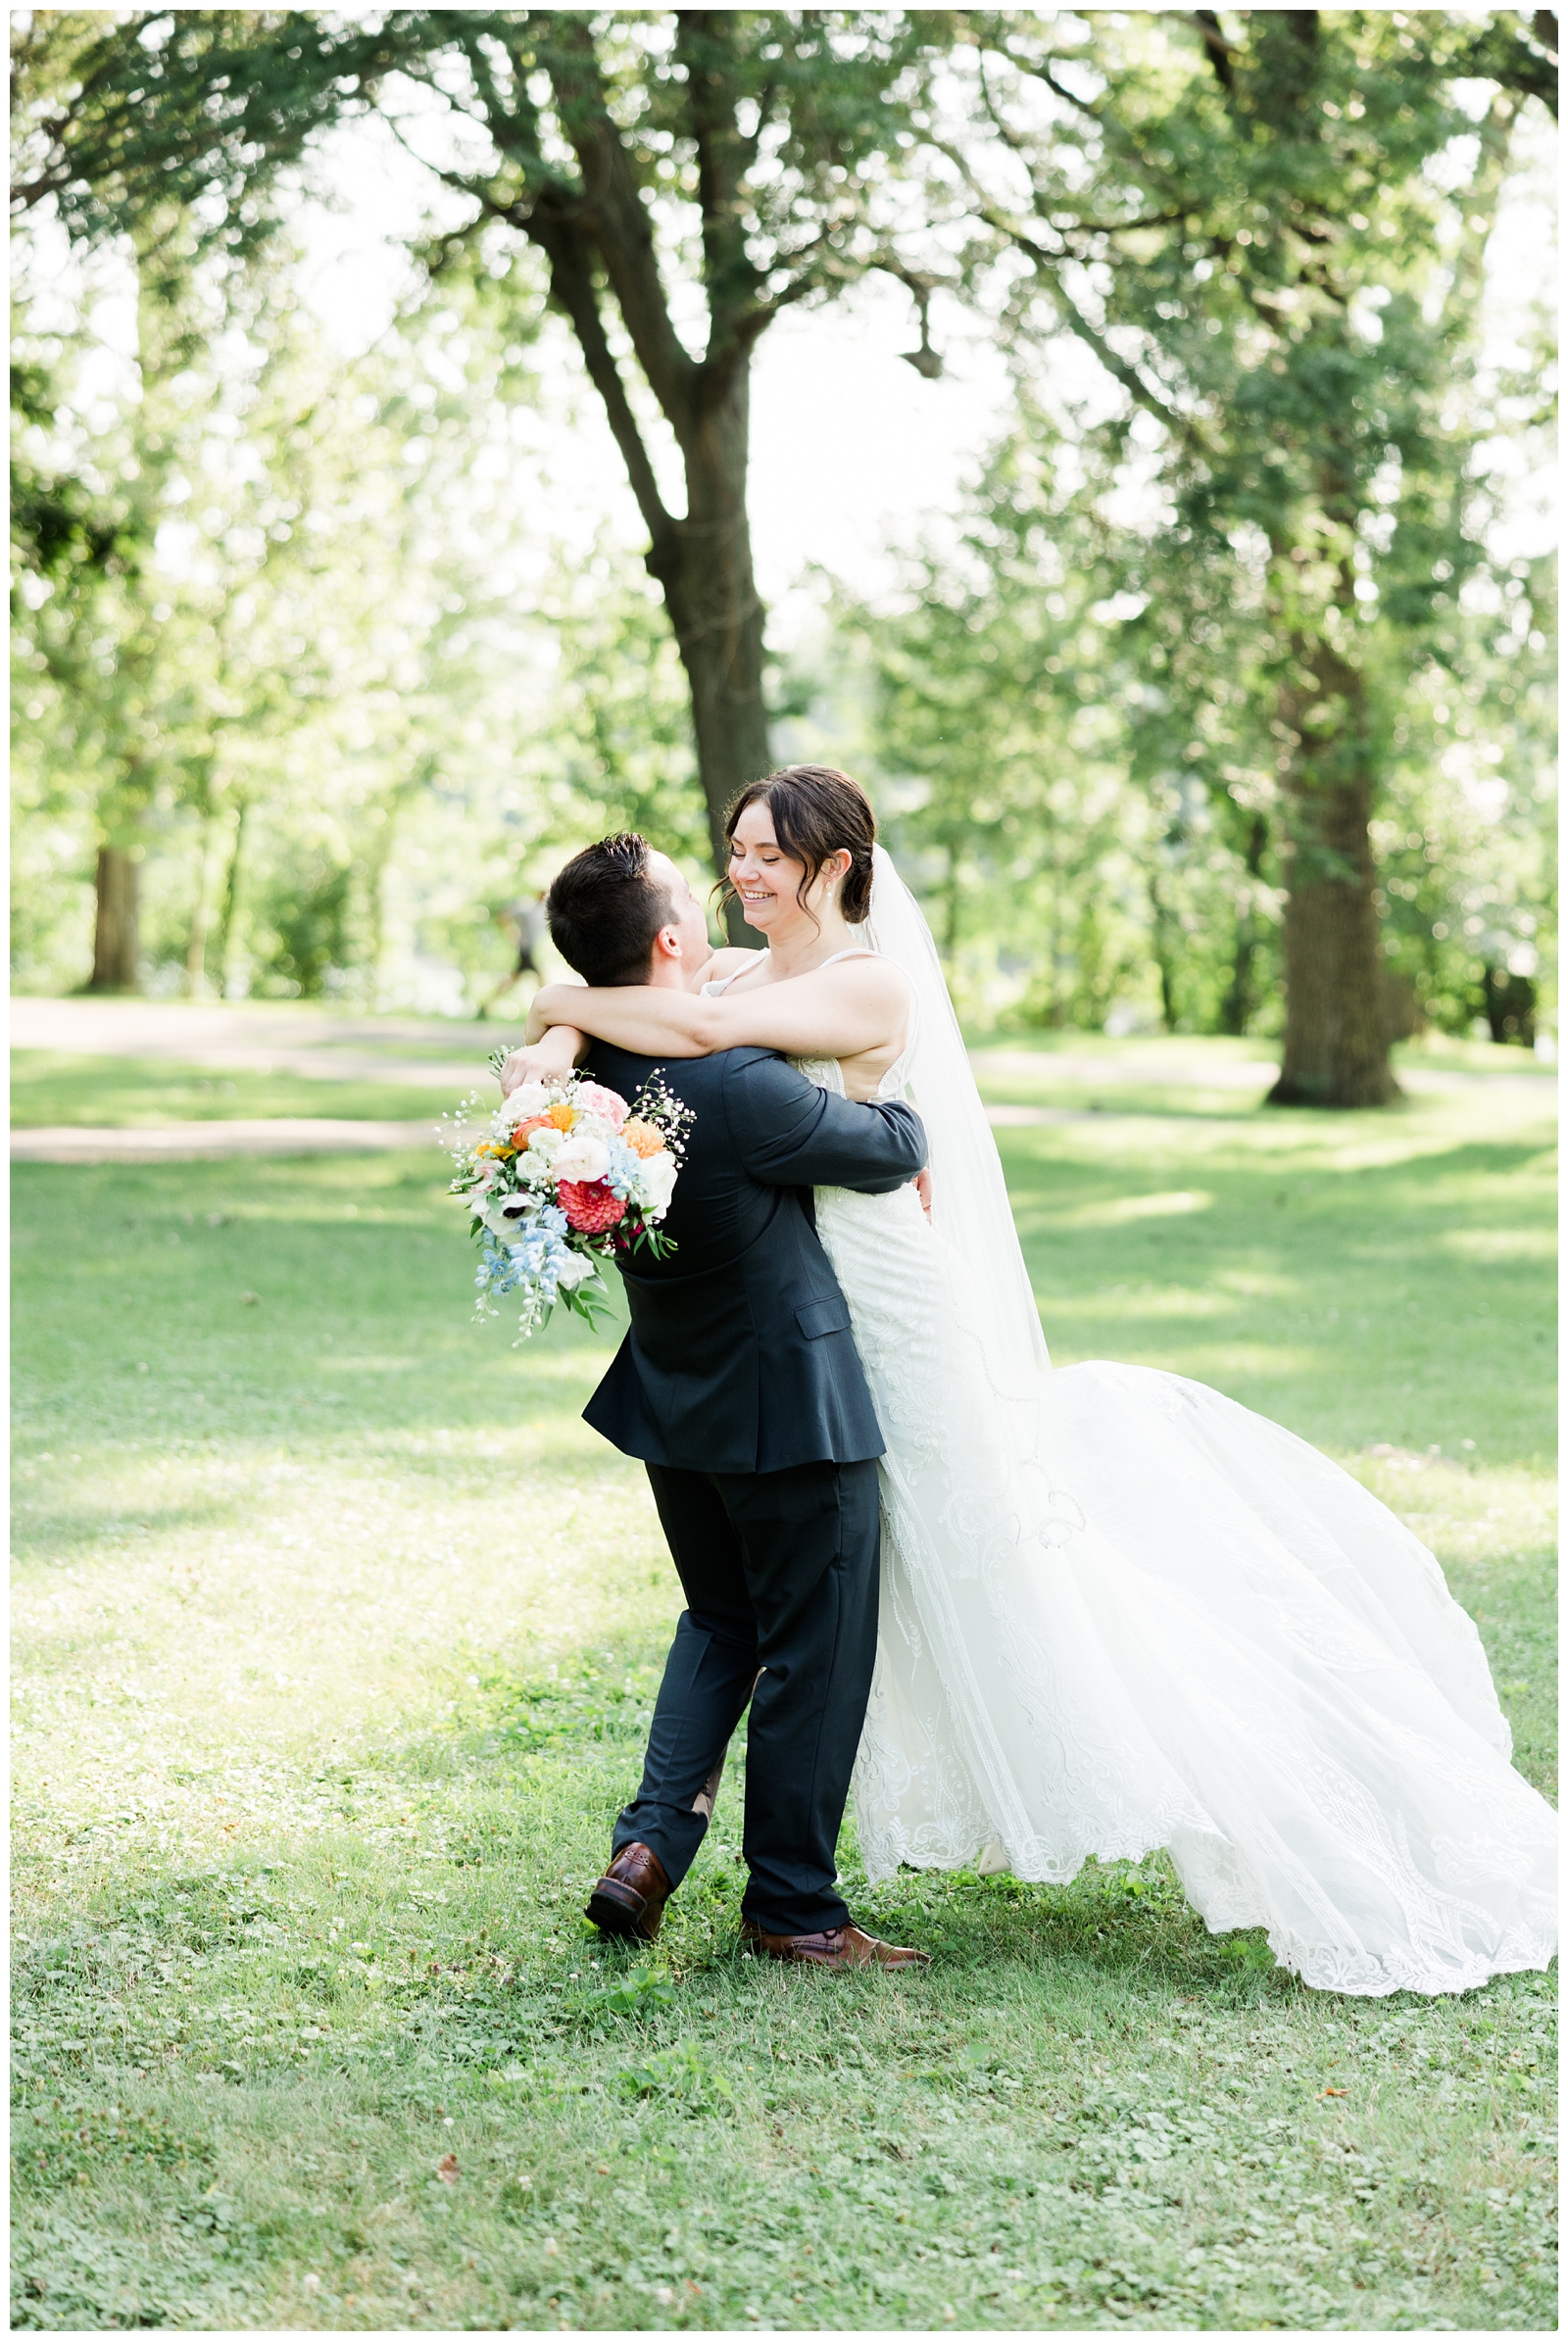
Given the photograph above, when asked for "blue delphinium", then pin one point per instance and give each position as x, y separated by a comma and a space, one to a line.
539, 1256
625, 1166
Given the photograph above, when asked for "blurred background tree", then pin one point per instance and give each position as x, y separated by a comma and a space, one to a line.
682, 178
1220, 709
1268, 232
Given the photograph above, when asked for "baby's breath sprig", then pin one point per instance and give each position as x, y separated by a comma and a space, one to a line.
656, 1103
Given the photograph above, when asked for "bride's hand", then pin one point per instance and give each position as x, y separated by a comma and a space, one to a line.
922, 1188
545, 1060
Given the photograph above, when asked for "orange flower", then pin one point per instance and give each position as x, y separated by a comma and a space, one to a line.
535, 1121
642, 1138
563, 1116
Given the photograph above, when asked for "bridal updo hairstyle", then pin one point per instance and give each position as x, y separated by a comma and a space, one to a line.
604, 910
818, 811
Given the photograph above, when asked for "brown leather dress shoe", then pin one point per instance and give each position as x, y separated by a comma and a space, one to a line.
838, 1948
629, 1899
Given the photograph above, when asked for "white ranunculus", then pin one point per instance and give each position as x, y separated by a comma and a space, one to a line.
547, 1141
582, 1158
656, 1179
531, 1098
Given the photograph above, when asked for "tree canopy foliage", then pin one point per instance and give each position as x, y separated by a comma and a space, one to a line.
1225, 698
1243, 220
742, 154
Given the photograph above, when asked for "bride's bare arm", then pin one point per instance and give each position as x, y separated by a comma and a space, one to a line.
641, 1017
842, 1011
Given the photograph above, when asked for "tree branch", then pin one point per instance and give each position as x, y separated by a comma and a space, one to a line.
618, 219
554, 217
1048, 264
1043, 72
1127, 374
59, 171
749, 324
729, 277
1216, 47
565, 244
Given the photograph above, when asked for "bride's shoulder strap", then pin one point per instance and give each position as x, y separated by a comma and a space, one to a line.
735, 960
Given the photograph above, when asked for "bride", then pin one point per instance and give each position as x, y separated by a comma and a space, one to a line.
1118, 1611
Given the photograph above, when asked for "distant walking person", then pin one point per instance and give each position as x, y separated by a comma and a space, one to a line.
526, 919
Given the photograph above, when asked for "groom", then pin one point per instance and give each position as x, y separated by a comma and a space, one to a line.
740, 1390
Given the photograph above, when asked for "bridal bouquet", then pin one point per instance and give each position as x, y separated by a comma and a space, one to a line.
560, 1179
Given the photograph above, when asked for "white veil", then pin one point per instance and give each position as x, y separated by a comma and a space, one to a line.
969, 1206
1204, 1636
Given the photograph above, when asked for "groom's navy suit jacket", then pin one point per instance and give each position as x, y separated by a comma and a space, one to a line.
740, 1356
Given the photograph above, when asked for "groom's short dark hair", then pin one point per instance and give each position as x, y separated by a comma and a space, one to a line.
604, 910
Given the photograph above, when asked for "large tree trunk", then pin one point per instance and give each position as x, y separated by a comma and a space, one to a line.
704, 564
113, 940
1336, 1039
704, 561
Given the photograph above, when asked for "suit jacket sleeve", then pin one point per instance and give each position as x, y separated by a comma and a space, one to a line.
788, 1133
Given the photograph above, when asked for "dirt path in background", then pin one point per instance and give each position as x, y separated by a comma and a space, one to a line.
267, 1037
280, 1036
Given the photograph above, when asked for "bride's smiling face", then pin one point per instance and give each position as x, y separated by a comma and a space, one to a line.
768, 880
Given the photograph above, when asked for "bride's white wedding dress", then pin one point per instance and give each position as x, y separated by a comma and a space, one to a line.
1121, 1612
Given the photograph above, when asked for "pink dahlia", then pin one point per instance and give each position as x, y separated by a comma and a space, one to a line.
590, 1209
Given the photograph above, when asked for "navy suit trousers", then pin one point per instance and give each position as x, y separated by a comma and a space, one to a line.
780, 1572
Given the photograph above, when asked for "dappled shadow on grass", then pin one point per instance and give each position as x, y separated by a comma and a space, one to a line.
1247, 1108
296, 2035
1273, 1184
76, 1532
1337, 1298
363, 1281
1123, 1918
57, 1090
577, 1736
1213, 1108
343, 1286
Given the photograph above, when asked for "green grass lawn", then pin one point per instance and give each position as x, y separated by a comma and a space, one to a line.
51, 1091
335, 1636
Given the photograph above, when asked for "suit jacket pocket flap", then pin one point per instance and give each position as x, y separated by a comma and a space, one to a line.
823, 1316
